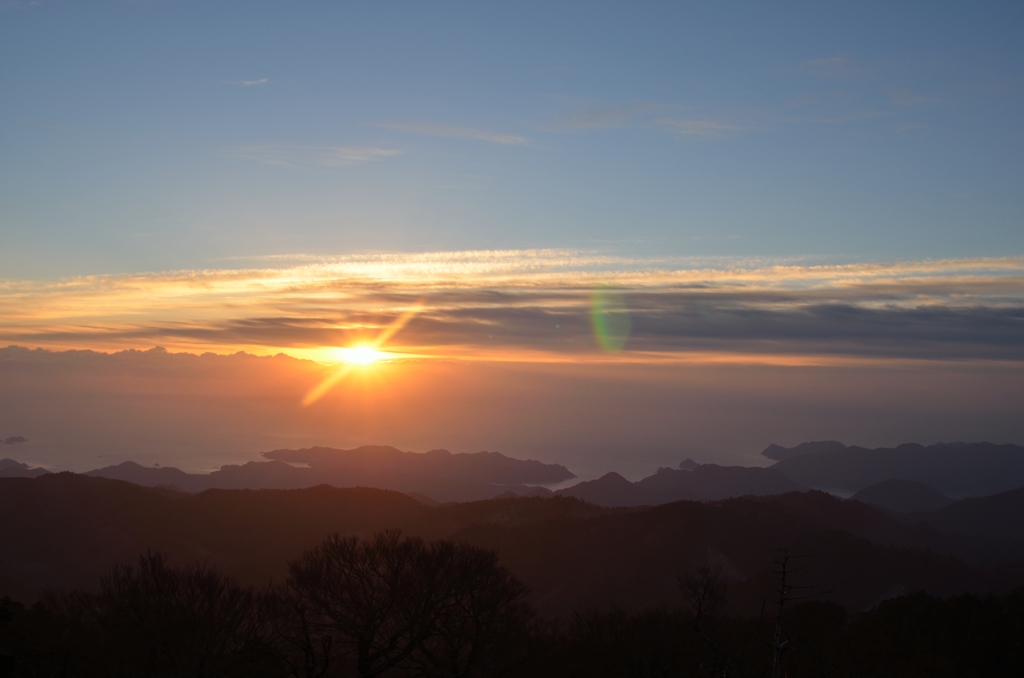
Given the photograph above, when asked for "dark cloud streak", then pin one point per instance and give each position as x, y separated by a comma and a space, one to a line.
679, 320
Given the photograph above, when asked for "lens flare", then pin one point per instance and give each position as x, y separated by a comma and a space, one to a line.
609, 317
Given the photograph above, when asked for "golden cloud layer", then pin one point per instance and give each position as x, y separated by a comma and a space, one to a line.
490, 304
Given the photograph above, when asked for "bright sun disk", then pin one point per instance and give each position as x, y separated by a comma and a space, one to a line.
362, 355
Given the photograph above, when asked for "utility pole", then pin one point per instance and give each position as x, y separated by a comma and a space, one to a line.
784, 570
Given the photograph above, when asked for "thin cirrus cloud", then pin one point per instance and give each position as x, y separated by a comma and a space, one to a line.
310, 156
439, 130
535, 305
650, 116
248, 83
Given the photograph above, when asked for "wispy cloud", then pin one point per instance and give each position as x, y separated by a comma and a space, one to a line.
699, 128
828, 108
647, 115
439, 130
493, 305
310, 156
248, 83
18, 4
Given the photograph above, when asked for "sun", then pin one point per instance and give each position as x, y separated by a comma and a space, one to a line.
360, 355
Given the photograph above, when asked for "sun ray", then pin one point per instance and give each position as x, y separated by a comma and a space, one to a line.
326, 385
396, 326
363, 354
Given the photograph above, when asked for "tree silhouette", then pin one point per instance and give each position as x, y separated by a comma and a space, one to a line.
704, 589
646, 644
40, 640
159, 620
303, 646
480, 617
394, 604
786, 592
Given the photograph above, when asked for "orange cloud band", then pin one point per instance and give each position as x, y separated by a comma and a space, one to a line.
497, 304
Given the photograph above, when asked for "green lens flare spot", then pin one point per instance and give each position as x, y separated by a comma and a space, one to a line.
609, 317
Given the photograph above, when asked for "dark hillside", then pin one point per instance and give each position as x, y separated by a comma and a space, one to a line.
779, 453
438, 474
66, 530
957, 470
1000, 515
713, 482
612, 489
630, 559
10, 468
703, 482
903, 496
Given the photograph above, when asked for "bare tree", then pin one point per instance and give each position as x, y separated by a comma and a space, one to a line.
303, 647
394, 604
786, 593
182, 621
58, 637
363, 594
480, 614
704, 589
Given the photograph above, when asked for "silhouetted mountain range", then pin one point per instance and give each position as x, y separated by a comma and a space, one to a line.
1000, 515
66, 530
705, 481
903, 496
612, 489
955, 469
14, 469
439, 474
486, 467
779, 453
907, 479
442, 476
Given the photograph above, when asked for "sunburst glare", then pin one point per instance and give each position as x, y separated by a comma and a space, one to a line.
360, 355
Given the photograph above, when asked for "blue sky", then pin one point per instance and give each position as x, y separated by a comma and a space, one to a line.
813, 214
179, 135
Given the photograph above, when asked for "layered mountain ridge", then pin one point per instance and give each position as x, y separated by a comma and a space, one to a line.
954, 469
906, 479
438, 474
65, 530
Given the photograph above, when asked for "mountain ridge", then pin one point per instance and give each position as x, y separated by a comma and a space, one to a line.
903, 496
438, 475
948, 470
72, 528
957, 470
